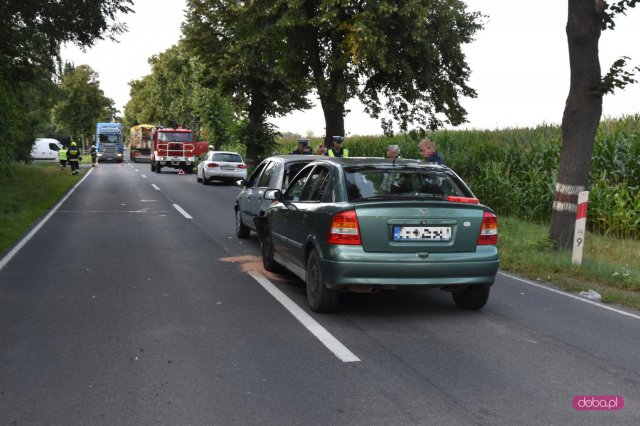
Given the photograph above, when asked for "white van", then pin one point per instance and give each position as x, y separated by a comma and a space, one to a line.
45, 149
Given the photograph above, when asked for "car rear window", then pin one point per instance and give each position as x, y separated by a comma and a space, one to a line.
402, 183
228, 158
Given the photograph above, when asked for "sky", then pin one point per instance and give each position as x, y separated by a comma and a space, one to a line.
519, 65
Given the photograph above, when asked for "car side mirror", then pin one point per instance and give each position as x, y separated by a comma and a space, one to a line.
272, 194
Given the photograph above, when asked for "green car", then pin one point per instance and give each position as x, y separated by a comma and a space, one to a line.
367, 224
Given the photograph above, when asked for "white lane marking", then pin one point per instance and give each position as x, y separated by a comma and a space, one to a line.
321, 333
136, 170
182, 211
573, 296
155, 187
30, 235
144, 176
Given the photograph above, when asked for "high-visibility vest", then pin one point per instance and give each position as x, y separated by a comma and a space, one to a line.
74, 154
62, 154
345, 152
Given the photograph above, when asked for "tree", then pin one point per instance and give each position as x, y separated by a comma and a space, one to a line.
583, 108
401, 57
173, 94
31, 33
247, 58
82, 103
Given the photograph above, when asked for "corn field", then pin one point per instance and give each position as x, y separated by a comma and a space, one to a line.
514, 170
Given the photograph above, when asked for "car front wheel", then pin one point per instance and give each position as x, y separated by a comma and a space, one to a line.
472, 297
319, 296
242, 231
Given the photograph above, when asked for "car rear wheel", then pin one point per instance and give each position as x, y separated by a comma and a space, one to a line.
242, 231
472, 297
319, 296
268, 251
204, 179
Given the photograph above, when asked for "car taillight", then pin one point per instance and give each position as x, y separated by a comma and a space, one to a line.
212, 164
489, 231
344, 229
469, 200
242, 166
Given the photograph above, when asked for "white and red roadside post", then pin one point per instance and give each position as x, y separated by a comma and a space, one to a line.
581, 223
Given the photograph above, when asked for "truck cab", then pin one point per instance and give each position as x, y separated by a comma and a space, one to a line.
109, 142
175, 148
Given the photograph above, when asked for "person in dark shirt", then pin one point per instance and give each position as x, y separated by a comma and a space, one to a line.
303, 147
428, 151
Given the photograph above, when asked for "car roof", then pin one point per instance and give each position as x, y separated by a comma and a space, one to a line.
226, 152
289, 158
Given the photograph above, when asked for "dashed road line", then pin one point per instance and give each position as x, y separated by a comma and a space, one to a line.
182, 211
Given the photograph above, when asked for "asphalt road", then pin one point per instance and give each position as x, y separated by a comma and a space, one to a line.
134, 304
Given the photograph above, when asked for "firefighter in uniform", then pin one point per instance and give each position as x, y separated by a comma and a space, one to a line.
73, 155
62, 156
94, 155
338, 150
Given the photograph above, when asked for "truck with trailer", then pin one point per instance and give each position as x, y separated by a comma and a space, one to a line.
109, 142
140, 143
176, 148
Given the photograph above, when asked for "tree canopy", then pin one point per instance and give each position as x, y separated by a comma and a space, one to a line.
31, 33
399, 57
173, 94
81, 102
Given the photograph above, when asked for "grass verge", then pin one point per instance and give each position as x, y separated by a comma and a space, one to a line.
27, 194
610, 266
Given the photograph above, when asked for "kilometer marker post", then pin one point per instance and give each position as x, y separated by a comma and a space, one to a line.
581, 223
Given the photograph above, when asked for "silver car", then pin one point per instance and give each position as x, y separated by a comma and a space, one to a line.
221, 165
272, 173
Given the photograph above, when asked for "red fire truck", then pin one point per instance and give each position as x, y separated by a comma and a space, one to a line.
175, 148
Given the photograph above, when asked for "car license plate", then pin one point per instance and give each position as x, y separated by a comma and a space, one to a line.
227, 167
421, 233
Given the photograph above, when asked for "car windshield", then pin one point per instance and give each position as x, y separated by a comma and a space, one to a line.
228, 158
174, 136
402, 183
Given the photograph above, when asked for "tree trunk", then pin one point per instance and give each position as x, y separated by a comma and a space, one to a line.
333, 119
581, 116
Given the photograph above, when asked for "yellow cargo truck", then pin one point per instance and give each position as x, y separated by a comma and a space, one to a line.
140, 143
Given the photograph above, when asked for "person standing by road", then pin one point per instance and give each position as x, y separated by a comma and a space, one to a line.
338, 149
303, 147
62, 156
428, 151
73, 155
94, 155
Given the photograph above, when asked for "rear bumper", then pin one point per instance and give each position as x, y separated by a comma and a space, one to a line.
342, 266
224, 175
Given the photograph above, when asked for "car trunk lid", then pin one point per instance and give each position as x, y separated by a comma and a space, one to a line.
419, 226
